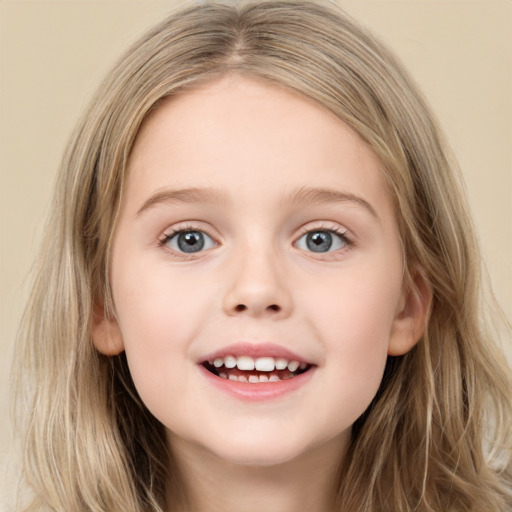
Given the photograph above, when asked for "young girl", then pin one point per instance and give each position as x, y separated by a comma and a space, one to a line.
260, 288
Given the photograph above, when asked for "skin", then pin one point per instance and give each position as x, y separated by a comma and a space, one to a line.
257, 281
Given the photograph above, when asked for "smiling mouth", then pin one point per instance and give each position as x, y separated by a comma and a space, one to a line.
255, 370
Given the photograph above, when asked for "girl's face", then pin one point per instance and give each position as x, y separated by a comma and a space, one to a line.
255, 229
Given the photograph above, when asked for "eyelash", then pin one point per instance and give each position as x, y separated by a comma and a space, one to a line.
168, 236
337, 231
341, 233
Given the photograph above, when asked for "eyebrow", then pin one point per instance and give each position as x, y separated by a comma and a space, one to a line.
187, 195
312, 196
301, 196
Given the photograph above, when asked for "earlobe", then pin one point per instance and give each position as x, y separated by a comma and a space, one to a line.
412, 315
106, 334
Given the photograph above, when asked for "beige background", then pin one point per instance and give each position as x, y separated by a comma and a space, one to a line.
53, 53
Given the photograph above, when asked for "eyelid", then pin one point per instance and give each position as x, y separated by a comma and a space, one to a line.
201, 226
188, 226
331, 227
183, 227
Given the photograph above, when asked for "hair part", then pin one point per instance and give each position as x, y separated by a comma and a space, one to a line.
90, 443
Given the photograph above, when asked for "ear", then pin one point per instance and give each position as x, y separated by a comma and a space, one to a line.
412, 315
106, 334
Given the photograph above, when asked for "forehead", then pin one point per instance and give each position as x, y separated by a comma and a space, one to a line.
242, 135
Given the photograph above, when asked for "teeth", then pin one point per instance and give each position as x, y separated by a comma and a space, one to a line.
293, 366
245, 363
252, 378
265, 364
281, 363
230, 362
262, 364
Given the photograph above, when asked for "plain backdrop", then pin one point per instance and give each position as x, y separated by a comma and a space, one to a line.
53, 54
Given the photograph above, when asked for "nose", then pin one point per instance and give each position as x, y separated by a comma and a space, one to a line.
257, 287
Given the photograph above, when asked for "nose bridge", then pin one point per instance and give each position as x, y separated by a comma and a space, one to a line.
257, 284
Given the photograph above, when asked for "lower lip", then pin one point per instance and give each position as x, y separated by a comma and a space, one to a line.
257, 391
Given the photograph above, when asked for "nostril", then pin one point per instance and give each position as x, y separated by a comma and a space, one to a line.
243, 307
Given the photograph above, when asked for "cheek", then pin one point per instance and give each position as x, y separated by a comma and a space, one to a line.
155, 305
155, 313
354, 321
357, 307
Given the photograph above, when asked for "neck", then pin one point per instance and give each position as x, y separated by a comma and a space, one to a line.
210, 484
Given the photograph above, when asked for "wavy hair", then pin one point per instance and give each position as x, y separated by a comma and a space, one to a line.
437, 434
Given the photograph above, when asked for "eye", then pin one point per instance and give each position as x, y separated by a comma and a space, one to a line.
188, 241
322, 240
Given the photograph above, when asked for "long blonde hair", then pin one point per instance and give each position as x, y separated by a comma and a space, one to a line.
435, 438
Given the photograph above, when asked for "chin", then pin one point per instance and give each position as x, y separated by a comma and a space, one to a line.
256, 458
257, 451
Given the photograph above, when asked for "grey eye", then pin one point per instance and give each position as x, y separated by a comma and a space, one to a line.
321, 241
190, 241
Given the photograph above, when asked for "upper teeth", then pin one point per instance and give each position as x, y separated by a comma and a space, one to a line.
262, 364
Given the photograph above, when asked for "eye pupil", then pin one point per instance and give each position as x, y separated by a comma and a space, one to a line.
190, 241
319, 241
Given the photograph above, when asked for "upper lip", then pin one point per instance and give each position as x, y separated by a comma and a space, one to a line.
254, 350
